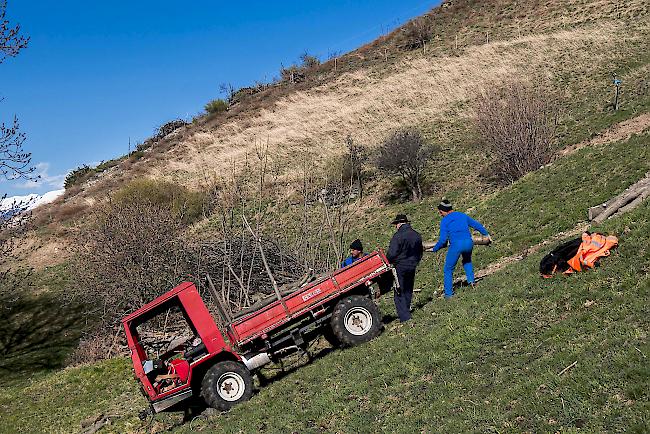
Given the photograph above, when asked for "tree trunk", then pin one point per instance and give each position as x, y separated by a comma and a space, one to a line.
360, 184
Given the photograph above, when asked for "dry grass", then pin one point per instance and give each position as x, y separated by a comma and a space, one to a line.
423, 91
572, 44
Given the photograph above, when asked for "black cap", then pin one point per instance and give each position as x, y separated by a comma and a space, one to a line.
399, 218
445, 205
356, 245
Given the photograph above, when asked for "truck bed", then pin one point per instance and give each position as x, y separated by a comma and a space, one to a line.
308, 298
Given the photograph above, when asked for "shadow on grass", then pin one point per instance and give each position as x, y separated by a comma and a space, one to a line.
37, 333
196, 407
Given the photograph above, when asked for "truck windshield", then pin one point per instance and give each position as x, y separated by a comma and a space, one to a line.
165, 330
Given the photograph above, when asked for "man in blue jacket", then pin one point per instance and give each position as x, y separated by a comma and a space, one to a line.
405, 253
454, 229
356, 253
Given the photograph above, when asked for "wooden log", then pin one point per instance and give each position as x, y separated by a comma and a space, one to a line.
478, 241
627, 200
621, 201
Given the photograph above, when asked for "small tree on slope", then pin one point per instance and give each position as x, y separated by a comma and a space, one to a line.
517, 126
406, 153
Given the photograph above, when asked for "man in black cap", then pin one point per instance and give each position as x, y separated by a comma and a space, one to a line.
356, 253
405, 253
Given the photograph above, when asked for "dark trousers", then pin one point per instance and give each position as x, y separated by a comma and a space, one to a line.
404, 294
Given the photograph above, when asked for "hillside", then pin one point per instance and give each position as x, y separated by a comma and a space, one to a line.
572, 47
491, 360
487, 361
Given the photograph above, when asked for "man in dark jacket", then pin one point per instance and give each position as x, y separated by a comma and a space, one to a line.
405, 253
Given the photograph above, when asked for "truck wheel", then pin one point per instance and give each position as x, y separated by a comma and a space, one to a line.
330, 337
226, 384
356, 320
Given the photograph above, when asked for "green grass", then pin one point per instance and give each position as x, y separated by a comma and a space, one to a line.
59, 401
488, 361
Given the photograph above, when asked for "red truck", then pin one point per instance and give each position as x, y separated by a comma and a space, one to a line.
218, 363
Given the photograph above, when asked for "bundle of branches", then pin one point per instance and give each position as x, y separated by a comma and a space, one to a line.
238, 270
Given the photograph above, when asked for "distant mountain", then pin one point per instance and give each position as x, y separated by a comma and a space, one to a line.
15, 204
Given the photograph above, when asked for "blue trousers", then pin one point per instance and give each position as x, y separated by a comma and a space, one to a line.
404, 294
458, 249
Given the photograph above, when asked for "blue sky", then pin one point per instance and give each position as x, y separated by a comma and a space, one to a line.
98, 73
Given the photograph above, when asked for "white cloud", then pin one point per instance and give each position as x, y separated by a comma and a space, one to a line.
45, 180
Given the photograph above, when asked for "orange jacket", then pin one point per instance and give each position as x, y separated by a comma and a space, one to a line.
593, 247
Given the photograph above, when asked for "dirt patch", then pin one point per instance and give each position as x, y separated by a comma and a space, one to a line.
617, 133
39, 253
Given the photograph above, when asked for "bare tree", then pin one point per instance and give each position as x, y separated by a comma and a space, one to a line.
11, 41
406, 153
417, 33
14, 161
228, 91
131, 253
357, 157
517, 126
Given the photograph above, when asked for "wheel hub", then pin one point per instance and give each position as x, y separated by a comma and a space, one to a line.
358, 321
231, 386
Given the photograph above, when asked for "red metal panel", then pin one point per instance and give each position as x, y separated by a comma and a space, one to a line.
309, 297
200, 317
158, 301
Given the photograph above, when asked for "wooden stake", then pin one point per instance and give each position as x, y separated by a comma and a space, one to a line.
568, 367
266, 265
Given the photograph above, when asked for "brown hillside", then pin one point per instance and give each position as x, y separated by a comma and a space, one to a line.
571, 46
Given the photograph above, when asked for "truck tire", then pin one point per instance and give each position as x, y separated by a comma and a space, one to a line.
226, 384
330, 337
356, 320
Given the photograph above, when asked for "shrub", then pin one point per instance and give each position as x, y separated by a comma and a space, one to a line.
356, 157
216, 106
517, 126
417, 33
186, 205
93, 348
136, 155
405, 153
297, 73
78, 176
130, 253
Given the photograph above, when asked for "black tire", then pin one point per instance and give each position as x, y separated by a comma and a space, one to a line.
330, 337
226, 384
356, 319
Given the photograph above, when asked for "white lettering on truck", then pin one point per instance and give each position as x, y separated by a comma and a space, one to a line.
311, 294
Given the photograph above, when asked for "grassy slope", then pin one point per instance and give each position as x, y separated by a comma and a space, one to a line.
541, 327
479, 361
488, 361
